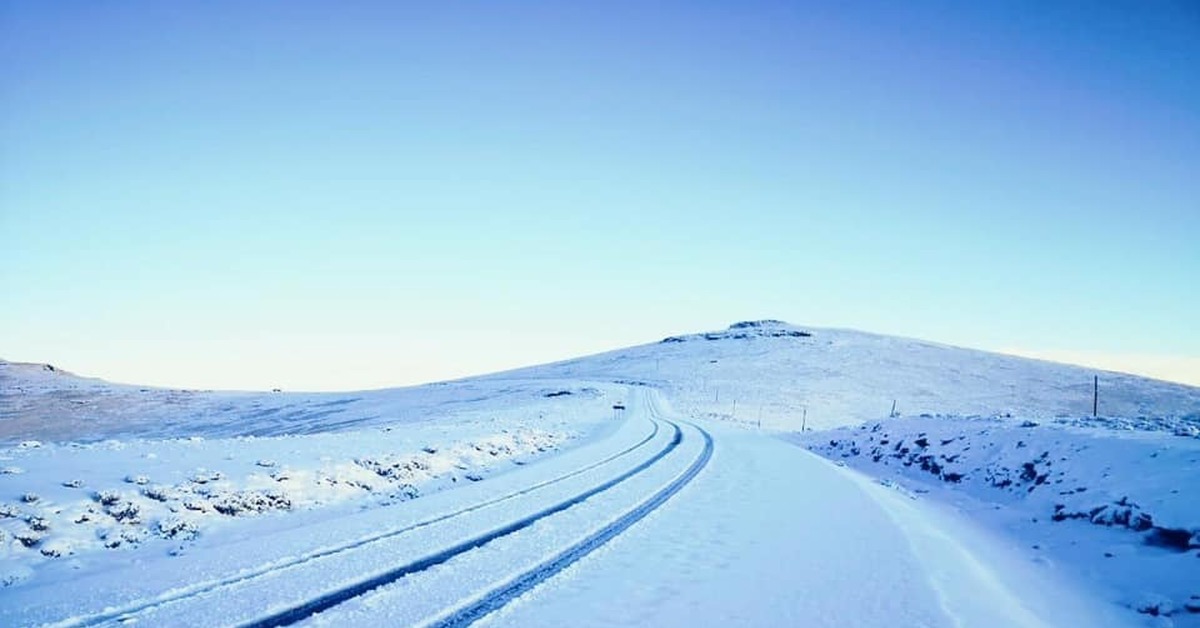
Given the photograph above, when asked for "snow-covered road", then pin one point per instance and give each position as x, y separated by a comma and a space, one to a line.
770, 535
464, 552
657, 522
525, 498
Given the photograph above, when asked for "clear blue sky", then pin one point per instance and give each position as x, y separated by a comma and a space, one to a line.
354, 194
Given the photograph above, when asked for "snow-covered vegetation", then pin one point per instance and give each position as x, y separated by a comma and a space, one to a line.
81, 499
98, 477
1118, 501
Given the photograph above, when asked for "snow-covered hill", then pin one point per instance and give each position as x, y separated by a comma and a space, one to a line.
95, 476
1010, 441
41, 402
781, 376
92, 473
755, 372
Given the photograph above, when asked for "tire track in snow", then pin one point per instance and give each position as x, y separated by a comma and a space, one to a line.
509, 591
347, 593
130, 611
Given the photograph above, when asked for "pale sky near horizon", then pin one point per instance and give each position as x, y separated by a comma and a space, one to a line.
321, 195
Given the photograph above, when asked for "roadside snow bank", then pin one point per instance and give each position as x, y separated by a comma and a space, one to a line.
70, 500
1115, 500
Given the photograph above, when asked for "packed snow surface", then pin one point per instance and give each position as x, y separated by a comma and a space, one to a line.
949, 487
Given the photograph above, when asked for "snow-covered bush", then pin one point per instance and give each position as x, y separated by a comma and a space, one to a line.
29, 538
405, 469
1155, 605
107, 498
198, 505
203, 476
158, 492
174, 527
124, 536
1188, 431
125, 511
56, 548
118, 506
243, 502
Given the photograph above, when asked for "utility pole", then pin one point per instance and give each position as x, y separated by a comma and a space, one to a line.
804, 420
1095, 394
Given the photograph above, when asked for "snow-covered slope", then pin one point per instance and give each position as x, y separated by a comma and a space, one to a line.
40, 402
1114, 503
756, 372
92, 473
96, 478
781, 376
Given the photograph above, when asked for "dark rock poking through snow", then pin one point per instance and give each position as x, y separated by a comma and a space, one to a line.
745, 330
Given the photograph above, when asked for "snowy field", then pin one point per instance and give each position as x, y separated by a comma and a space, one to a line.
212, 459
989, 497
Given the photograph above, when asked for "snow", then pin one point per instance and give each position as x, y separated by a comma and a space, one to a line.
529, 495
1120, 507
316, 546
52, 405
770, 374
83, 500
773, 538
